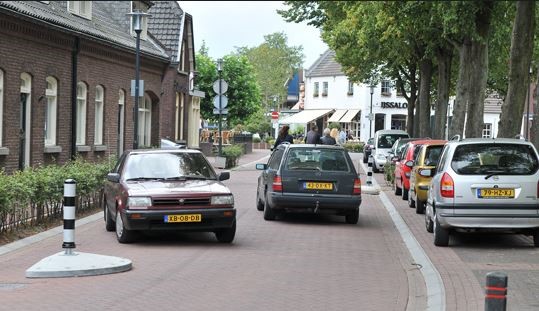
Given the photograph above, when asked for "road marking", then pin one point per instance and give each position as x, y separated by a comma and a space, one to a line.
433, 280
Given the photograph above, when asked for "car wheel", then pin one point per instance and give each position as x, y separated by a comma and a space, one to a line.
259, 204
411, 202
429, 225
226, 235
404, 193
419, 207
353, 217
441, 235
536, 238
122, 234
269, 213
374, 168
109, 223
398, 191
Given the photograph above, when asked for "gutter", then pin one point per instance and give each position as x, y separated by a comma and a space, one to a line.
74, 67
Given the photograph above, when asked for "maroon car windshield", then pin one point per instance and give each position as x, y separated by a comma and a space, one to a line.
167, 165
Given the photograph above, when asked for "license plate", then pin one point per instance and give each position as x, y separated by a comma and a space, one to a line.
318, 185
183, 218
496, 193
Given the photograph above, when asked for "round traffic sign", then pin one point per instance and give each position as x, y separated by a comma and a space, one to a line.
224, 86
275, 115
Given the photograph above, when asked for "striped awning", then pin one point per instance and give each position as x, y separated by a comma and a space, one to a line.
305, 116
350, 114
337, 115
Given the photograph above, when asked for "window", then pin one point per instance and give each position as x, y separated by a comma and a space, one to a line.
1, 103
81, 113
80, 8
386, 87
487, 130
325, 89
145, 122
98, 135
350, 88
399, 92
50, 115
315, 93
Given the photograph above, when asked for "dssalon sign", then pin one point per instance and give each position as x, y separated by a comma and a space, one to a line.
394, 105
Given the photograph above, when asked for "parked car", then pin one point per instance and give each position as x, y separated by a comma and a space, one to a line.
427, 159
383, 141
309, 178
484, 184
403, 167
396, 150
169, 144
367, 149
173, 189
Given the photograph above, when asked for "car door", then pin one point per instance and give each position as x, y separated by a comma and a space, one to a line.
112, 190
271, 170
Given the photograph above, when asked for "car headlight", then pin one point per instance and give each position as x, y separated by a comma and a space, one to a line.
222, 200
138, 202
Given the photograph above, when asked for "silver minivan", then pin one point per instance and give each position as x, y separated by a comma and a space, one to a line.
383, 141
484, 184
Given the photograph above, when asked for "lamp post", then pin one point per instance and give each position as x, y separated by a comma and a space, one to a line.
138, 19
370, 112
219, 70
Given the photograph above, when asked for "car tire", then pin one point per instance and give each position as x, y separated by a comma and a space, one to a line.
122, 234
419, 207
226, 235
259, 204
398, 191
374, 168
535, 236
352, 218
110, 225
404, 193
429, 225
269, 213
441, 235
411, 202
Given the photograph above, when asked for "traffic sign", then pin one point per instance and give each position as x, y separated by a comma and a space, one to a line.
224, 101
224, 86
275, 115
223, 111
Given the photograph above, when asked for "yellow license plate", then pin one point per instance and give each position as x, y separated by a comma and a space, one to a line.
495, 193
318, 185
183, 218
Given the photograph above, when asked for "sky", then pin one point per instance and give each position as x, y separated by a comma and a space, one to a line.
224, 25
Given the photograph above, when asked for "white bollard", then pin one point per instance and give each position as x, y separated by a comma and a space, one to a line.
369, 172
69, 216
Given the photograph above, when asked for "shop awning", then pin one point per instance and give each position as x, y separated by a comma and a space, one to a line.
337, 115
305, 116
350, 114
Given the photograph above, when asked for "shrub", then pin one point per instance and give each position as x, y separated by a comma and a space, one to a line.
354, 147
389, 172
232, 153
256, 139
333, 125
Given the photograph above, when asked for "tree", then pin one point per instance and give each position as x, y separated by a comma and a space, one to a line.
243, 92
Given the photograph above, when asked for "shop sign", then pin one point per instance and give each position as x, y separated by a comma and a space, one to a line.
394, 105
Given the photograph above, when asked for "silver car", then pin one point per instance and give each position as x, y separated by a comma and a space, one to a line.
484, 184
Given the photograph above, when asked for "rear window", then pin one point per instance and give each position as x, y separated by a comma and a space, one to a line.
387, 140
317, 159
432, 155
502, 159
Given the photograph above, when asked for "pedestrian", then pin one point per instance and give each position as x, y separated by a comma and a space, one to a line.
327, 139
283, 137
335, 134
342, 137
313, 137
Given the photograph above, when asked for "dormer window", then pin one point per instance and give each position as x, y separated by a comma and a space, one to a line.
80, 8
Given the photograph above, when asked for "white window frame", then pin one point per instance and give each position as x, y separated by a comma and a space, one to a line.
80, 8
325, 87
51, 94
316, 89
121, 121
1, 104
385, 88
98, 117
82, 96
487, 130
145, 122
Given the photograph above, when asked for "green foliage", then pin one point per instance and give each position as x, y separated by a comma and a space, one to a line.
258, 122
256, 139
232, 153
354, 147
389, 172
335, 125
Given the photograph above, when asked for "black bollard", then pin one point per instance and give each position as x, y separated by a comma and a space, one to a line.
369, 171
496, 291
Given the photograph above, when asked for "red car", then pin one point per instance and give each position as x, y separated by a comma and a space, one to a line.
175, 189
403, 167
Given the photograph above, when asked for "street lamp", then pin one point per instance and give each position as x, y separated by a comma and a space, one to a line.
370, 112
138, 20
219, 70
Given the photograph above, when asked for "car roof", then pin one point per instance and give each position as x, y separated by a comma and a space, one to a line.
391, 132
151, 151
294, 146
489, 141
427, 141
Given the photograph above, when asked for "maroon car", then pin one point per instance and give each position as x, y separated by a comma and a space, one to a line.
167, 190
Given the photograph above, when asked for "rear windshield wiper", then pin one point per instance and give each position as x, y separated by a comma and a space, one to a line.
492, 173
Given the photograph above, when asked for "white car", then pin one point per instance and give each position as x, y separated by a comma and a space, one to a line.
383, 141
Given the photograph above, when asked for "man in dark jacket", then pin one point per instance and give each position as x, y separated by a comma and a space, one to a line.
327, 139
313, 137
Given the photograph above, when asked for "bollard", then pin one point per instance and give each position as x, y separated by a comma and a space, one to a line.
69, 216
369, 172
496, 291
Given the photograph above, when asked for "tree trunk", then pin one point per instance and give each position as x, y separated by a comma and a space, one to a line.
411, 102
534, 135
444, 57
425, 73
478, 83
461, 101
519, 62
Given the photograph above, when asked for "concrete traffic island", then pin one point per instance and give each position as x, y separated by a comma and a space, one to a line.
69, 263
372, 189
77, 264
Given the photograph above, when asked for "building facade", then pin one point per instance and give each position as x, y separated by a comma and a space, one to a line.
65, 79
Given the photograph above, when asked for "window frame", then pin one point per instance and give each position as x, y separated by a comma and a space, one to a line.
51, 111
385, 88
325, 88
145, 122
99, 109
82, 103
316, 89
486, 132
75, 8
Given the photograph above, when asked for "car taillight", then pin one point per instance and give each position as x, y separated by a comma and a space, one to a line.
447, 186
277, 183
357, 186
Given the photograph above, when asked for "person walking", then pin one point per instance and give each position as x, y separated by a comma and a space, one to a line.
342, 137
327, 139
313, 137
283, 137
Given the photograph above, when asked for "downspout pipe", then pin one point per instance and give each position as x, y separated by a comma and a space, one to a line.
74, 66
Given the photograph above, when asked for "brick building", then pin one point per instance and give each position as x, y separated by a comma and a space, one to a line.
65, 79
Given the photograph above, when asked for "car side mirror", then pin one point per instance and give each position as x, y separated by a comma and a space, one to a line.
394, 159
113, 177
260, 166
409, 163
426, 172
223, 176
